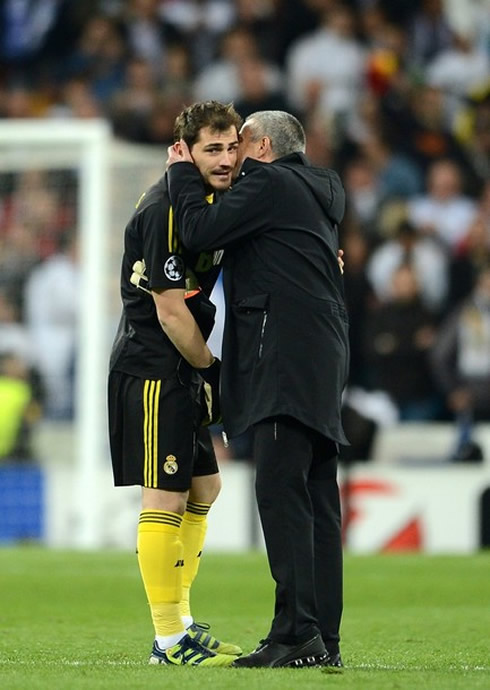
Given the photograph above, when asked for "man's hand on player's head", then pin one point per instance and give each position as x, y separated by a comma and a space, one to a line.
178, 153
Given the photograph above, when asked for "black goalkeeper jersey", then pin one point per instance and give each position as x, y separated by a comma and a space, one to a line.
154, 258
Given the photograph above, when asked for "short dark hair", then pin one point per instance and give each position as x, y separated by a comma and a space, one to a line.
217, 116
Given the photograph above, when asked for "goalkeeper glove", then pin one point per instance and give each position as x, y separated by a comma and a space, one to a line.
210, 393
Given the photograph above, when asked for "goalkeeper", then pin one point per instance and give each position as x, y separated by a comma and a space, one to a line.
163, 391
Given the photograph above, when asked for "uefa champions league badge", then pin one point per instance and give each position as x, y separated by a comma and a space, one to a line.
174, 267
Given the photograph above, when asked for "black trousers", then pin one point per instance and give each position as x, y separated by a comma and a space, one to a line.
299, 507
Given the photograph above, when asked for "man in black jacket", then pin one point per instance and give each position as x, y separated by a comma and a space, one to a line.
285, 364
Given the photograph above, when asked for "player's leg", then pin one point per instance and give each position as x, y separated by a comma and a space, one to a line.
205, 487
204, 491
283, 456
154, 432
160, 559
324, 492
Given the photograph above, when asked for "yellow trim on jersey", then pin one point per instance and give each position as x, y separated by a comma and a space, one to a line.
151, 400
173, 237
170, 231
140, 200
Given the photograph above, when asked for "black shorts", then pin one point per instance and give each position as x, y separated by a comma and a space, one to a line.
155, 437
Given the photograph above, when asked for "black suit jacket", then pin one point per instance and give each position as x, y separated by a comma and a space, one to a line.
285, 343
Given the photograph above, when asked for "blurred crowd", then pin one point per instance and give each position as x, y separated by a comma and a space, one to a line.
395, 95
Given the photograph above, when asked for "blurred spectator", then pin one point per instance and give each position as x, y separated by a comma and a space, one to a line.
99, 56
475, 133
400, 12
51, 313
147, 35
399, 333
460, 69
363, 194
14, 336
420, 126
19, 409
386, 44
326, 68
176, 80
160, 127
429, 260
256, 94
202, 23
429, 33
21, 394
398, 176
484, 203
18, 102
295, 19
260, 18
470, 18
443, 212
132, 104
219, 80
75, 100
37, 210
372, 22
19, 253
359, 299
461, 355
365, 121
320, 147
33, 29
472, 253
144, 109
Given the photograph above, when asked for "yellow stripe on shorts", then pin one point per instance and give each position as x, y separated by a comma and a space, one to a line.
151, 401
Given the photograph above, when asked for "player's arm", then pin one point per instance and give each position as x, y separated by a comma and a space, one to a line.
181, 328
241, 213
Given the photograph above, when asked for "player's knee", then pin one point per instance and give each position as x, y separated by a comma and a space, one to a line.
158, 499
205, 489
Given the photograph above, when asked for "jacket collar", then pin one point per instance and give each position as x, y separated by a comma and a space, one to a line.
296, 158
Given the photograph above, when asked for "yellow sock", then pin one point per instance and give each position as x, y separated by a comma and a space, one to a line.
160, 558
192, 534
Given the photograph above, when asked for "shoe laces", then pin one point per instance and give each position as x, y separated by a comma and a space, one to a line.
199, 632
261, 645
188, 649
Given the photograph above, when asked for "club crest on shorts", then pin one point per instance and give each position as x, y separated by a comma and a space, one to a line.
174, 267
170, 465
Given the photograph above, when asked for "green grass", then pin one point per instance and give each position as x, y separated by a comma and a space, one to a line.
71, 620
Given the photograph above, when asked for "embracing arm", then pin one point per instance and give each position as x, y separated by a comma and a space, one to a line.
240, 213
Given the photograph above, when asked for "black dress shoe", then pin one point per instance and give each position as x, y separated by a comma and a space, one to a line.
334, 660
273, 654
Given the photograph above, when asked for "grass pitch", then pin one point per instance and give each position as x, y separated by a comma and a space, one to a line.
71, 620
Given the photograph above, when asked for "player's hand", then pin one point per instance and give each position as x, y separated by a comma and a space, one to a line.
210, 393
178, 153
340, 254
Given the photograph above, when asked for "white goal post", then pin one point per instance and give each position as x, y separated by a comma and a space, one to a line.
82, 146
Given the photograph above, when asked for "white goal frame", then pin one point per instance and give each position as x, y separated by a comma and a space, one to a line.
85, 143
